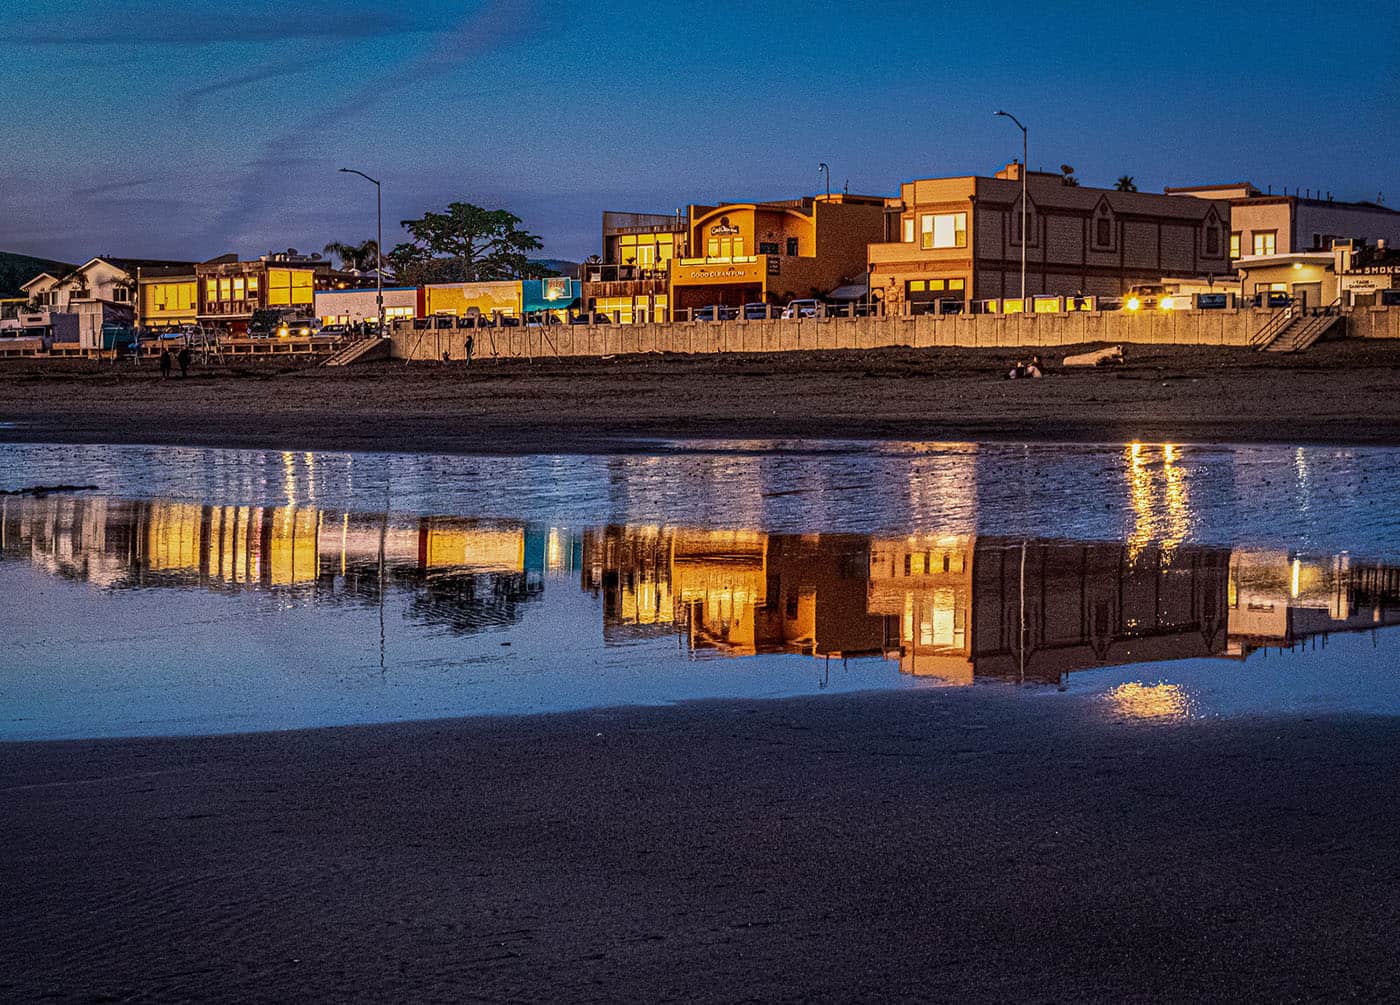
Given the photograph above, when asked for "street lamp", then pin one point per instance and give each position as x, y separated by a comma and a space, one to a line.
1024, 147
823, 168
378, 243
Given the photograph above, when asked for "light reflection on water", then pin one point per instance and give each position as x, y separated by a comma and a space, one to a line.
238, 592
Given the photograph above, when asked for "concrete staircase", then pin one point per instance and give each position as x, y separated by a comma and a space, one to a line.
360, 351
1294, 332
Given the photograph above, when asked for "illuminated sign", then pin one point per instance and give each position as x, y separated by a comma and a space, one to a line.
724, 227
736, 272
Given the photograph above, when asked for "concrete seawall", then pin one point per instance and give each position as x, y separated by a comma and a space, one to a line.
1031, 331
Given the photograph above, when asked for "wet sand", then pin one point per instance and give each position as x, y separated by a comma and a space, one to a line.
954, 845
1341, 392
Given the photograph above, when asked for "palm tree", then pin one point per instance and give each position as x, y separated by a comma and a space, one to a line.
1126, 184
1067, 176
361, 257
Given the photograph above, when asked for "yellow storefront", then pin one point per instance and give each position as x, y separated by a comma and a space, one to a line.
462, 299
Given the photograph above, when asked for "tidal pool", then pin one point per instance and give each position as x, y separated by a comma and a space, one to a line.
206, 591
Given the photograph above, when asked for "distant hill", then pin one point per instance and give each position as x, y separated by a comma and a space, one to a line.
558, 267
16, 270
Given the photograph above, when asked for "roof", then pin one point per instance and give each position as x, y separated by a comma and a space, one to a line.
1049, 192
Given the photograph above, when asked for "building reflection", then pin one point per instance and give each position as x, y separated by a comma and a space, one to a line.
955, 607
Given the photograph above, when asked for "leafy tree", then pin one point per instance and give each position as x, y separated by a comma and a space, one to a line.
359, 257
1067, 177
1126, 184
463, 245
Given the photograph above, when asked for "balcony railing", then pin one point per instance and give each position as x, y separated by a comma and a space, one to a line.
609, 272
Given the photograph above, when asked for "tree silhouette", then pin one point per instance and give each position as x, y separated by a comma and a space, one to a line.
1125, 183
1067, 177
466, 244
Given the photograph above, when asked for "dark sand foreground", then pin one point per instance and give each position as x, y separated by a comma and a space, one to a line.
950, 845
1339, 392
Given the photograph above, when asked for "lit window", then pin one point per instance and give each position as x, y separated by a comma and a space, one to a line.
211, 289
908, 230
926, 231
225, 289
1234, 244
239, 286
712, 248
950, 230
1265, 242
252, 286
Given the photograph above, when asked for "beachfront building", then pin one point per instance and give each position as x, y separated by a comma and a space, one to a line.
511, 298
774, 252
167, 297
345, 307
655, 267
1263, 224
950, 241
85, 306
629, 282
229, 290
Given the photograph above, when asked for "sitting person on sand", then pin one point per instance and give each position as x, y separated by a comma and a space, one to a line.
1034, 369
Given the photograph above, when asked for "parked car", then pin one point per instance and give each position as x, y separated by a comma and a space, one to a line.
590, 318
802, 309
756, 311
715, 312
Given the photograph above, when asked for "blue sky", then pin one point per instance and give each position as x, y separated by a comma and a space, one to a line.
170, 129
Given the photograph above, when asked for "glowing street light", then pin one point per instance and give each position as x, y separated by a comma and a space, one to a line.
1025, 145
823, 168
379, 243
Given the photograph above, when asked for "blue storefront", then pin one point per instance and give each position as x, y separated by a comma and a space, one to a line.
555, 294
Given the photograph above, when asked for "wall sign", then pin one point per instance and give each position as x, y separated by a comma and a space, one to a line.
724, 227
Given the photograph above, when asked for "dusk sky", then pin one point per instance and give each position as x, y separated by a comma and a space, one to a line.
185, 130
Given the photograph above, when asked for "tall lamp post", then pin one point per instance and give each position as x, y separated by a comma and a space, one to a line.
1024, 147
378, 243
822, 168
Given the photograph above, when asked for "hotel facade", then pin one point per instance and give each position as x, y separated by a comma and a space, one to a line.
950, 241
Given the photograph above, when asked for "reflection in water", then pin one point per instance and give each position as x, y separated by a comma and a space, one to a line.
954, 607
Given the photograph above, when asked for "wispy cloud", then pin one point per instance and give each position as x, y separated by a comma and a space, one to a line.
269, 72
493, 24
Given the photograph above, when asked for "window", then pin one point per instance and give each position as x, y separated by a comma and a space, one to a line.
1234, 244
792, 247
1265, 241
943, 230
767, 247
908, 230
211, 289
1212, 241
1103, 232
225, 289
120, 294
252, 287
239, 287
712, 248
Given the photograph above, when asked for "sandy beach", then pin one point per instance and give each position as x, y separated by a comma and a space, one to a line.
1339, 392
993, 844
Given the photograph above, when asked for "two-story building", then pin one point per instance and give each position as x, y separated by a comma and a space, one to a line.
1263, 224
949, 241
230, 291
655, 267
167, 297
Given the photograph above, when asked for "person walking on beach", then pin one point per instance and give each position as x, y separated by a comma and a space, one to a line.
164, 364
184, 360
471, 344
